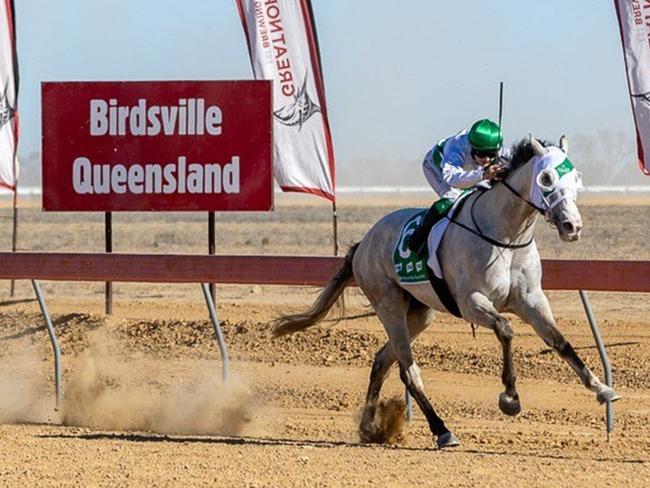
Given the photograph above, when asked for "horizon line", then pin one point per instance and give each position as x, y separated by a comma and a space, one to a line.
348, 189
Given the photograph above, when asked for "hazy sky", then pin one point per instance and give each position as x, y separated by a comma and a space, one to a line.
399, 75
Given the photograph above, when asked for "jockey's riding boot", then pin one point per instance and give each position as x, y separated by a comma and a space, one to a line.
417, 242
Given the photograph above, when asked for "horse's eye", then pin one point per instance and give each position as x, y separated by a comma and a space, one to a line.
546, 179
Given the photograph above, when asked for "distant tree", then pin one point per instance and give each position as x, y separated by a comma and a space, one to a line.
608, 158
30, 169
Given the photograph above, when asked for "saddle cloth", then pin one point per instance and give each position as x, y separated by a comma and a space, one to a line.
409, 268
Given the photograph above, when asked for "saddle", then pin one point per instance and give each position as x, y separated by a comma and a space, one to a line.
412, 269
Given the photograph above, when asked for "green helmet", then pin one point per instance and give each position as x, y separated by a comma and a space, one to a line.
485, 135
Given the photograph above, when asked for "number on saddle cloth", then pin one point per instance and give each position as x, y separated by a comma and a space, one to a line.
410, 264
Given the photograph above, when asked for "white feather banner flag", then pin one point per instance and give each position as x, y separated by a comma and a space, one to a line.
634, 22
8, 97
283, 47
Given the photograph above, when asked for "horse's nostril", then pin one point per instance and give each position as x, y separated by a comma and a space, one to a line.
568, 227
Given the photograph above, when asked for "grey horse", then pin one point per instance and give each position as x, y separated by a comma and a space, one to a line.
491, 264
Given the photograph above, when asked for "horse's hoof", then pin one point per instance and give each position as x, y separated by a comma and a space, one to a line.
447, 439
607, 394
509, 405
369, 435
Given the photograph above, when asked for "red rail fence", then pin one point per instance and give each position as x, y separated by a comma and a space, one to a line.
619, 276
616, 276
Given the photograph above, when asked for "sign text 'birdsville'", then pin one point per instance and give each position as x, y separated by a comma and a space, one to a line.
189, 117
157, 146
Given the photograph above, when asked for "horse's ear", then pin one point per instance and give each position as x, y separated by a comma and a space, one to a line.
537, 146
564, 144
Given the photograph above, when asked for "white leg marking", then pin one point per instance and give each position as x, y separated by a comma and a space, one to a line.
595, 384
414, 374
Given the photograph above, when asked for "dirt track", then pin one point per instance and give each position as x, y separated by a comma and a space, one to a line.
143, 404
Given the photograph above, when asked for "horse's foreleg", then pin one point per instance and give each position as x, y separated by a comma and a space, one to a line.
480, 310
536, 310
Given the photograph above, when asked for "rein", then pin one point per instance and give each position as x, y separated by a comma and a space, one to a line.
516, 193
478, 232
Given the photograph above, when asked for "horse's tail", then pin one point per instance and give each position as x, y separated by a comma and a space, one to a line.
288, 324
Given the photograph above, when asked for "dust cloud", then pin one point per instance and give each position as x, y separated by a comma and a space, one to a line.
390, 420
24, 389
101, 394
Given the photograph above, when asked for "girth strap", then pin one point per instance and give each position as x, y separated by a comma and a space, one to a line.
439, 285
442, 290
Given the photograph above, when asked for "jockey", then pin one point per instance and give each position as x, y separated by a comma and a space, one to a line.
454, 164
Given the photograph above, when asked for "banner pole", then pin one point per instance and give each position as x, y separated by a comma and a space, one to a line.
341, 301
108, 235
500, 104
335, 230
12, 77
212, 248
14, 236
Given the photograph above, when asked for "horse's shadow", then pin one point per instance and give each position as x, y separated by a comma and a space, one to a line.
270, 442
230, 441
59, 321
16, 301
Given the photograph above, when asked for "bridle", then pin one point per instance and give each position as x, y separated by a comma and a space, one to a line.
479, 233
517, 194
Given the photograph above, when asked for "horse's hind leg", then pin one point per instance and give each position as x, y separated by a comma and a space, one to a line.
480, 310
384, 359
392, 304
418, 319
536, 310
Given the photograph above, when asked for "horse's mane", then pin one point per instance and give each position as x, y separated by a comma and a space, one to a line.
522, 152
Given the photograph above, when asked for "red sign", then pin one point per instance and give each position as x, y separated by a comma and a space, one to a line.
159, 145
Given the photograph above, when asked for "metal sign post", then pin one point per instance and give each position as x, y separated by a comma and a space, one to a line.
212, 247
108, 237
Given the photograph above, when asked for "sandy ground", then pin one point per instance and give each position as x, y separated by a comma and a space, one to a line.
144, 404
